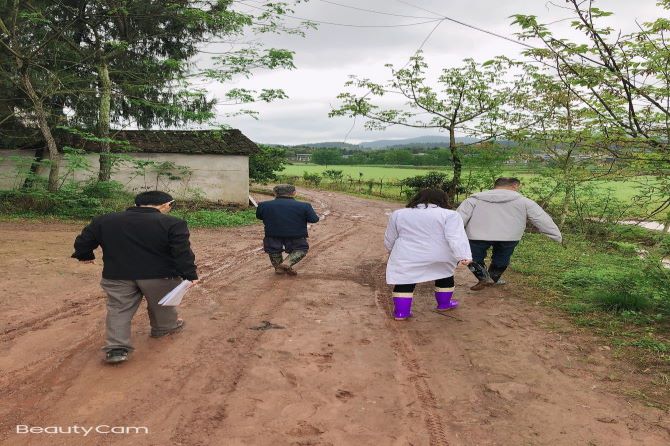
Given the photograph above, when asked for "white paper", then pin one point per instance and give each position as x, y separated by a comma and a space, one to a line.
174, 297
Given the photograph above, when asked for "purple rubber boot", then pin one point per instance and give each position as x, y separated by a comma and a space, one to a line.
443, 298
402, 306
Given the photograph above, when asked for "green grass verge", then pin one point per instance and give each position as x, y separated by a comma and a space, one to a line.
217, 219
606, 287
195, 219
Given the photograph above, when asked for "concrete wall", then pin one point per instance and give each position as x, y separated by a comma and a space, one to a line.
222, 178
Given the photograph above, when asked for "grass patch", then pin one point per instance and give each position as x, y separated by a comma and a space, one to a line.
77, 203
217, 218
604, 286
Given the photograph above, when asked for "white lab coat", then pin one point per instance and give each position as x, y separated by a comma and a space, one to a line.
426, 243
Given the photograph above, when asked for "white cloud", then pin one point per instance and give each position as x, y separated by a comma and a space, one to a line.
326, 57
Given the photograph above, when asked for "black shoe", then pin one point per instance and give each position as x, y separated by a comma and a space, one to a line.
482, 284
177, 329
116, 355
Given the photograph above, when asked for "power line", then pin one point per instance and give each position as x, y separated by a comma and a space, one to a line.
423, 43
375, 11
348, 25
451, 19
509, 39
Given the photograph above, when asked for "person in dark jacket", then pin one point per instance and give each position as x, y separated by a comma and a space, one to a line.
285, 221
145, 253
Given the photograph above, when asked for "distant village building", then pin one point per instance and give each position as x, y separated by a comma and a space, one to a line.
303, 157
212, 164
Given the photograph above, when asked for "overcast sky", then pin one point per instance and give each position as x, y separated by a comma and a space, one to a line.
327, 56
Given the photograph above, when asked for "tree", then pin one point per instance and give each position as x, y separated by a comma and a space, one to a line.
325, 157
468, 100
553, 121
140, 52
399, 157
623, 80
130, 62
25, 41
264, 165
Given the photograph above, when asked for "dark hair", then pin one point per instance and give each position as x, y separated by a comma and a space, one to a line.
283, 190
430, 196
152, 198
506, 181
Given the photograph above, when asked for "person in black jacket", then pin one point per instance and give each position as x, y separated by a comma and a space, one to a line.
285, 221
145, 253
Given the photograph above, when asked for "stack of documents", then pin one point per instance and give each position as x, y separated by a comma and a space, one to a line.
173, 298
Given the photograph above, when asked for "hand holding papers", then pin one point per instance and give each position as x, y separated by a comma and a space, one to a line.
174, 297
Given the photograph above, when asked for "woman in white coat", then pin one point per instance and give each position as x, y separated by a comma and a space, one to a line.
426, 241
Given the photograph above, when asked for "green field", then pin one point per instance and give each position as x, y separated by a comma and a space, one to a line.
623, 190
369, 172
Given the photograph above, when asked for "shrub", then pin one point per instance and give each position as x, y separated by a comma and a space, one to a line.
623, 297
312, 178
104, 189
432, 180
664, 246
333, 175
624, 247
637, 286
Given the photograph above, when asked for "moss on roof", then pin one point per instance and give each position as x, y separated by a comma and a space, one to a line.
223, 142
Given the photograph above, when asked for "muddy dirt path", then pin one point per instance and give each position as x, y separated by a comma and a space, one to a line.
329, 367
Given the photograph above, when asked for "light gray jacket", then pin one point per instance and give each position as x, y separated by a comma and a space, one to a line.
501, 214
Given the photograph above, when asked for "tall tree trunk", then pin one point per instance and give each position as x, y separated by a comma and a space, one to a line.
566, 206
105, 172
43, 124
455, 183
34, 168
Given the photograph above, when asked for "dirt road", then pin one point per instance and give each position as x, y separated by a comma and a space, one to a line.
329, 367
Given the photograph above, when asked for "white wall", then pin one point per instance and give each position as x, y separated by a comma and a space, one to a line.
222, 178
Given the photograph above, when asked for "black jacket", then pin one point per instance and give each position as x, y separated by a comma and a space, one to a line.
139, 243
286, 217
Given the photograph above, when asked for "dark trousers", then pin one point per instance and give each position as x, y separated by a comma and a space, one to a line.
501, 255
277, 245
447, 282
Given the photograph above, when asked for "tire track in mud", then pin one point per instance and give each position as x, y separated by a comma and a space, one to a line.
410, 360
75, 308
205, 419
49, 376
224, 363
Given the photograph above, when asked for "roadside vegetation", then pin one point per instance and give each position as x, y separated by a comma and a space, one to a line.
613, 285
585, 127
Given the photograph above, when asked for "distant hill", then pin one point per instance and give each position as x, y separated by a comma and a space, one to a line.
421, 141
329, 145
407, 143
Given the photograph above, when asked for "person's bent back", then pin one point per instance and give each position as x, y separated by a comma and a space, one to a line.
497, 219
501, 214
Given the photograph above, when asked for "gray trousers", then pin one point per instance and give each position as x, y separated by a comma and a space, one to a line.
123, 300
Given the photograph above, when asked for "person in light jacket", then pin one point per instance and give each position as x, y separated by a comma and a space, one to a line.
426, 241
497, 219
